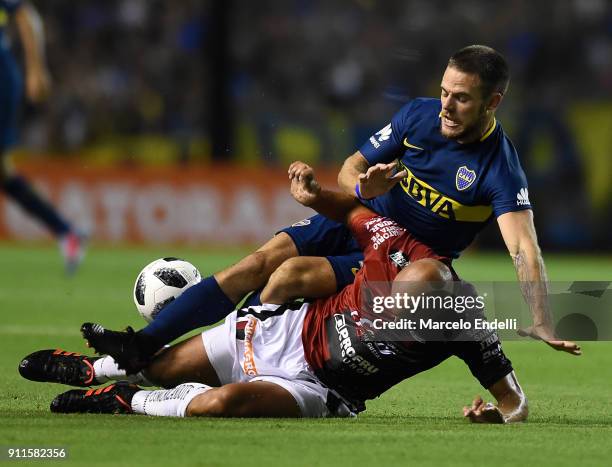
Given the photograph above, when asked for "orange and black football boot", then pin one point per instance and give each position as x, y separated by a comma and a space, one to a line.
59, 366
112, 399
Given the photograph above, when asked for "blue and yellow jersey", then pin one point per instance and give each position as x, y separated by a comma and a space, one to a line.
10, 80
452, 190
7, 8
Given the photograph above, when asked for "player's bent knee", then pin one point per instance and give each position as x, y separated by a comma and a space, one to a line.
258, 266
248, 274
300, 277
290, 274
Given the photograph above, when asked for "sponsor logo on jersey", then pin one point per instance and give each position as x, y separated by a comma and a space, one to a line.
381, 349
346, 345
383, 135
382, 229
464, 178
349, 355
399, 259
522, 197
411, 146
249, 356
440, 204
301, 223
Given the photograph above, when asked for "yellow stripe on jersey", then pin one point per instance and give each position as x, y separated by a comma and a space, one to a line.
490, 130
3, 18
427, 196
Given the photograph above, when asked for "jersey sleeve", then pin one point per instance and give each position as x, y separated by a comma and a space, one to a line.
10, 5
507, 186
359, 227
386, 144
375, 233
480, 349
484, 357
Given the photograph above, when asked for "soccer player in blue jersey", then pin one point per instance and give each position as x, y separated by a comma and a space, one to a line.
320, 358
37, 85
443, 169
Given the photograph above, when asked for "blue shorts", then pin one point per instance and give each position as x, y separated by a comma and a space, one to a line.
319, 236
10, 99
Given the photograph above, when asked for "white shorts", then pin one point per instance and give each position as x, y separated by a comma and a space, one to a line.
264, 343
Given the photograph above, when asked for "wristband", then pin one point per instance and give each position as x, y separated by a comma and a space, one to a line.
358, 193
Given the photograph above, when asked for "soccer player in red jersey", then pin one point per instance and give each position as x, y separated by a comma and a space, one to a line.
313, 359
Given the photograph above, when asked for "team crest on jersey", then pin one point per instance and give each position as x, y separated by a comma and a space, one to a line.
464, 178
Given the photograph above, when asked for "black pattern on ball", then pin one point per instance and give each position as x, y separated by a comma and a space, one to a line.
159, 306
171, 277
171, 258
140, 290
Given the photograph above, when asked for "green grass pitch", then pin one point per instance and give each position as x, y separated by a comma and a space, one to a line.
416, 423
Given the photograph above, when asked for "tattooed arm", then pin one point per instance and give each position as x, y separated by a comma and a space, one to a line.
520, 237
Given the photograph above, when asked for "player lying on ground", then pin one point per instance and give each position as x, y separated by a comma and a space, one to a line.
458, 172
313, 359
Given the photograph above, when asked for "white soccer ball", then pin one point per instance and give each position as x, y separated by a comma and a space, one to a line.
160, 282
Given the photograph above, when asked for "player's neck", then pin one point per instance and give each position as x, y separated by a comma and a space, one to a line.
480, 130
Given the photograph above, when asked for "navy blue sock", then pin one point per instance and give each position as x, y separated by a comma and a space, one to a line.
253, 299
22, 192
201, 305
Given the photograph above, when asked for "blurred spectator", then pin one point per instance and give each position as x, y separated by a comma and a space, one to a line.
314, 78
137, 66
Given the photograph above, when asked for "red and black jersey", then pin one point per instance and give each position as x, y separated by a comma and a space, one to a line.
341, 345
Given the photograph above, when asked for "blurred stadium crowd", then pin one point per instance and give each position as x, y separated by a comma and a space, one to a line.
312, 79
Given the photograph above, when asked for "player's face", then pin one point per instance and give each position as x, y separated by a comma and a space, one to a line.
464, 112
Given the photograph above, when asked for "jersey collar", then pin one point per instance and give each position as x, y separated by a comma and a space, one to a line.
489, 131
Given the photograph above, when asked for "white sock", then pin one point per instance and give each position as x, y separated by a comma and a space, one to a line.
105, 369
167, 402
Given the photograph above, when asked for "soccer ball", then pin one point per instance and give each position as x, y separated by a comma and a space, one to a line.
160, 282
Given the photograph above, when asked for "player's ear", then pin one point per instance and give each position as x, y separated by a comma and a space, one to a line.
494, 101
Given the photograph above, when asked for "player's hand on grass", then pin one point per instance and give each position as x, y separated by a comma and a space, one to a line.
304, 188
483, 412
379, 179
545, 334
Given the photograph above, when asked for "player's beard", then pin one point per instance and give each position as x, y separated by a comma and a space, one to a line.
472, 132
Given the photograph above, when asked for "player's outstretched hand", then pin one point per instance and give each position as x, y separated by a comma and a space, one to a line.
483, 412
546, 335
379, 179
304, 188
